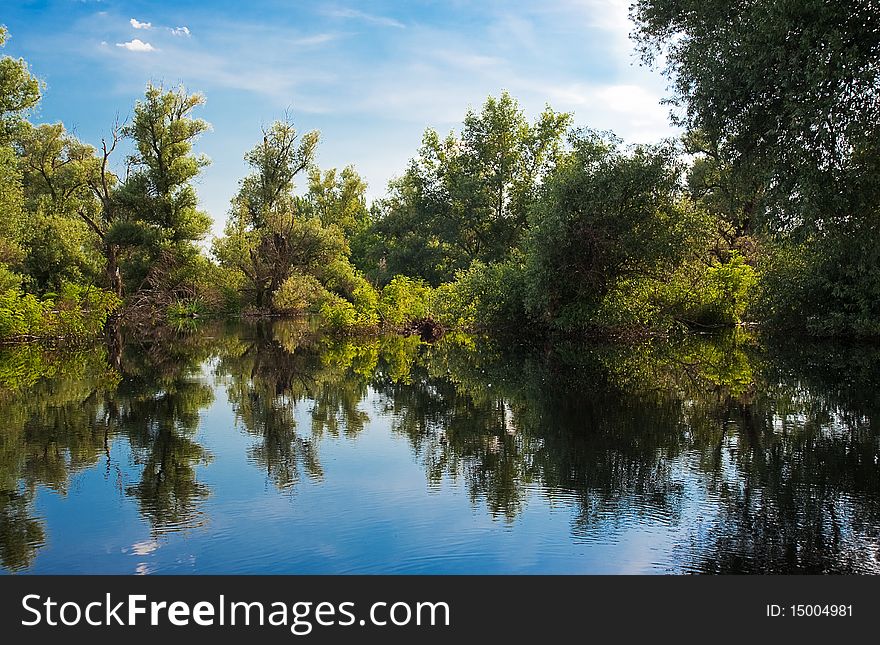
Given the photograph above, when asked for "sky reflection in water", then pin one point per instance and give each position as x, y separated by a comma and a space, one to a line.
269, 449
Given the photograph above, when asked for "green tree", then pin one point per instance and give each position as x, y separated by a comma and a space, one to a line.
19, 91
753, 75
784, 96
339, 198
263, 238
11, 220
161, 216
61, 205
609, 220
291, 260
466, 197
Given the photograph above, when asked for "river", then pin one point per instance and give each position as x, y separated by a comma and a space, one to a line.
270, 448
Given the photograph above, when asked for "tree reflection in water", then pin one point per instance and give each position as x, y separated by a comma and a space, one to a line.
756, 457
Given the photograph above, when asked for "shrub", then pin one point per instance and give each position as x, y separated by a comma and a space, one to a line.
341, 315
299, 293
404, 299
74, 313
484, 295
714, 295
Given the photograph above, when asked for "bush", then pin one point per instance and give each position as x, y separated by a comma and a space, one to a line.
219, 288
83, 311
484, 295
299, 293
21, 314
826, 287
340, 277
341, 315
350, 301
714, 295
404, 299
75, 313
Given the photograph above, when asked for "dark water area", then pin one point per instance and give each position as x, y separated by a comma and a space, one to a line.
271, 449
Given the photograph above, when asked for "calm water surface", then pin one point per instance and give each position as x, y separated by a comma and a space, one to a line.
269, 449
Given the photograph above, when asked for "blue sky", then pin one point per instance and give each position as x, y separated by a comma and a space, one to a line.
370, 75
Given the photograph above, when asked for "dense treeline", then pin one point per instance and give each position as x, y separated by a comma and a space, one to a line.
766, 210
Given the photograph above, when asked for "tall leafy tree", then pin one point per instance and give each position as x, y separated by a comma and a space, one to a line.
57, 169
789, 87
19, 91
339, 197
466, 197
606, 216
789, 92
267, 234
162, 219
71, 190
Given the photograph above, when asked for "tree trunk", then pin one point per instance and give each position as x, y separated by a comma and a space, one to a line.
114, 277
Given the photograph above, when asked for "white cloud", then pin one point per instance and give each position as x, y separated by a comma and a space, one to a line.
179, 31
140, 25
317, 39
467, 60
383, 21
137, 45
611, 15
608, 16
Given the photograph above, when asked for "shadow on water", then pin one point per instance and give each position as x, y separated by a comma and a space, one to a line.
751, 458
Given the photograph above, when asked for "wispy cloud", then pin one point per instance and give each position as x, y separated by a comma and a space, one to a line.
383, 21
609, 16
466, 60
137, 45
140, 25
428, 69
317, 39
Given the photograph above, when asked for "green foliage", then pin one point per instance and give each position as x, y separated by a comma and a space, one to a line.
485, 296
82, 311
185, 309
293, 252
466, 197
58, 249
270, 232
404, 299
607, 220
822, 287
452, 306
11, 219
300, 292
9, 281
58, 243
780, 100
727, 289
352, 302
21, 314
19, 91
57, 168
713, 295
752, 76
74, 313
159, 203
338, 198
500, 226
341, 315
265, 197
